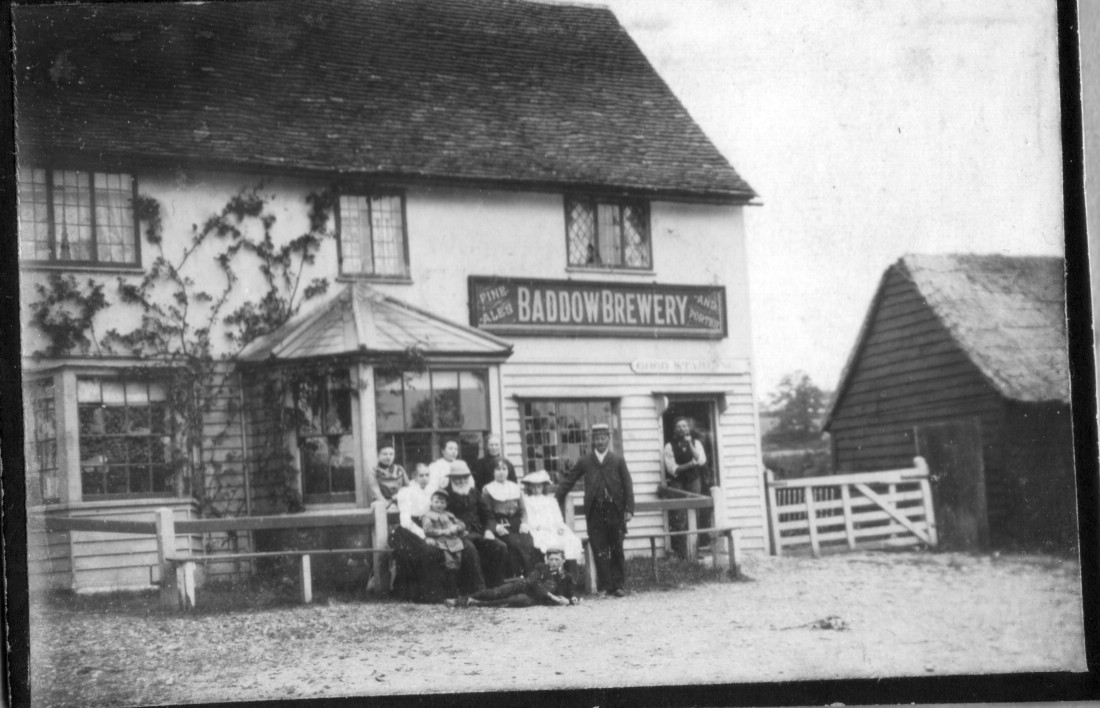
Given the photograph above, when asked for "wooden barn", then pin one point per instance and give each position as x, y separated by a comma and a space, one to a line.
963, 359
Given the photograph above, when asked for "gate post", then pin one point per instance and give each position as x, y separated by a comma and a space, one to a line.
718, 498
166, 553
926, 498
773, 509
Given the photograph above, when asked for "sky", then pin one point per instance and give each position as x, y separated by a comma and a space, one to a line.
869, 129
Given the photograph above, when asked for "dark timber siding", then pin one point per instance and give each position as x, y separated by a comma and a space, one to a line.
910, 372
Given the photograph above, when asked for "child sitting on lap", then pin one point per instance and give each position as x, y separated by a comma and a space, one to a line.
442, 530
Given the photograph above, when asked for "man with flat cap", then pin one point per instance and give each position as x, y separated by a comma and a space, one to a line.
608, 507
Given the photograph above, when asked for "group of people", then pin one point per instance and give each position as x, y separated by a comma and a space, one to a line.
475, 536
479, 537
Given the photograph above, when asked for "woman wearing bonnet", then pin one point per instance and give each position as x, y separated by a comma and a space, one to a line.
544, 520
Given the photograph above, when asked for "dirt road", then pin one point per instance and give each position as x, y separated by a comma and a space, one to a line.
891, 615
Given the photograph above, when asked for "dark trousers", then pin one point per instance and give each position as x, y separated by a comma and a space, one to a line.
491, 556
511, 594
521, 548
677, 520
606, 530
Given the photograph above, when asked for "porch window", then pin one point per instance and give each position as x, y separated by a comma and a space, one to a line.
326, 438
125, 439
418, 412
372, 235
607, 234
556, 433
77, 217
40, 436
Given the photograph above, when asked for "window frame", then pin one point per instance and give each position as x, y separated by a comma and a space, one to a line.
437, 435
180, 485
51, 220
39, 395
369, 194
593, 202
614, 423
343, 497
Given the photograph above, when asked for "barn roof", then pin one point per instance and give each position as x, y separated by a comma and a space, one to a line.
507, 91
360, 320
1006, 313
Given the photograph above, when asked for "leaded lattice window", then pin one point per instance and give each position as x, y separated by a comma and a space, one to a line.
605, 234
40, 436
75, 216
372, 235
125, 439
558, 433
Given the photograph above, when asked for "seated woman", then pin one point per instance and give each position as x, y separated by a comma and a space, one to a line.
502, 501
420, 575
544, 521
547, 584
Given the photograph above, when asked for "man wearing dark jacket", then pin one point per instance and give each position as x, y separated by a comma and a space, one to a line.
608, 507
491, 554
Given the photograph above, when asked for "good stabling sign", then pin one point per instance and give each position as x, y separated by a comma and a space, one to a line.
584, 308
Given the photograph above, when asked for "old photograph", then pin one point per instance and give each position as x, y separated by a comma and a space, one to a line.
407, 348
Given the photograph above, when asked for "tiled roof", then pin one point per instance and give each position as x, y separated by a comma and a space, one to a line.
487, 90
361, 320
1006, 313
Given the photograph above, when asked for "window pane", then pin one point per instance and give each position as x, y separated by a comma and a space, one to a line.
418, 402
114, 420
338, 413
412, 448
471, 446
34, 222
342, 463
581, 234
88, 391
388, 235
114, 218
118, 480
445, 395
388, 402
114, 393
314, 452
310, 406
140, 480
636, 237
609, 234
557, 433
355, 242
72, 215
474, 393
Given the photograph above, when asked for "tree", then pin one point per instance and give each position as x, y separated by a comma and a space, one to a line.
798, 405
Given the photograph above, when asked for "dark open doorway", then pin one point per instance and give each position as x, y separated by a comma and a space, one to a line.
700, 417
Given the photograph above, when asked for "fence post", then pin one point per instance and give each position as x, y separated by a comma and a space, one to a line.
811, 519
773, 508
305, 580
166, 552
381, 541
718, 498
926, 497
692, 540
570, 514
187, 586
849, 529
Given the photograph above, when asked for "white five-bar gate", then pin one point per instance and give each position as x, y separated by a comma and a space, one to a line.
861, 510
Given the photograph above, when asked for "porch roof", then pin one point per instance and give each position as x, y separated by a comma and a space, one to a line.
362, 320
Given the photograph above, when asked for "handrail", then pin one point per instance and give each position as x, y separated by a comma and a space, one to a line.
91, 523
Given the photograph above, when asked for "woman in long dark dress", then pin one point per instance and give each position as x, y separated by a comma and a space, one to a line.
503, 500
420, 568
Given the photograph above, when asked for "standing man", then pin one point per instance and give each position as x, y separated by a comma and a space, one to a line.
608, 508
441, 468
684, 462
485, 557
486, 466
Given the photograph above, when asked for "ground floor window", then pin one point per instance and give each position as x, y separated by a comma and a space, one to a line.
40, 437
556, 433
125, 431
417, 412
326, 437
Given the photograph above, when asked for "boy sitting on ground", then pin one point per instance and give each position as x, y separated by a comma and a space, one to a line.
548, 584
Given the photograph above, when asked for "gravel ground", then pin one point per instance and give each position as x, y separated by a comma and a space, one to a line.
852, 615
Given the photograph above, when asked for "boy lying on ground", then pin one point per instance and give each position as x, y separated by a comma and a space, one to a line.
548, 584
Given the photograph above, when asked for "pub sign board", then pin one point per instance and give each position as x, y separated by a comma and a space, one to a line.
534, 307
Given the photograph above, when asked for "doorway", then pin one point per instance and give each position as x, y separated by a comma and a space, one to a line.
700, 418
953, 451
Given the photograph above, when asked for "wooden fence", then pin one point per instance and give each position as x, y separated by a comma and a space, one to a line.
849, 511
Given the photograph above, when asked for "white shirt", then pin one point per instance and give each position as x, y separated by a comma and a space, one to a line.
670, 457
413, 501
439, 471
601, 455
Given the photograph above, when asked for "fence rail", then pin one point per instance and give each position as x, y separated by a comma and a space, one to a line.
871, 509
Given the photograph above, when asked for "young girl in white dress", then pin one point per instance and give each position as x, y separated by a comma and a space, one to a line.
543, 518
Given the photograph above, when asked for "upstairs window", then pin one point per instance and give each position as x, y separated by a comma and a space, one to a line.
372, 235
69, 216
607, 234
